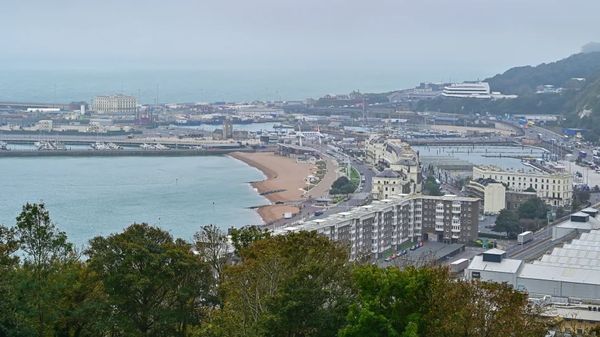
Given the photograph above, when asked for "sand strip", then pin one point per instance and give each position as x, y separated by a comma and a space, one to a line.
284, 175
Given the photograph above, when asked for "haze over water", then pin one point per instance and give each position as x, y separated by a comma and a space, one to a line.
194, 85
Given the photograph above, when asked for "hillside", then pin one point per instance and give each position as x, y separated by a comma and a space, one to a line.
524, 80
579, 102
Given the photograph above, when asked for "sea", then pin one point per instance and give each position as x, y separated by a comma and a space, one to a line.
94, 196
151, 85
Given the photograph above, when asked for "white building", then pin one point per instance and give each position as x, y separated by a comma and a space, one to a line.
44, 125
398, 157
493, 265
556, 189
570, 272
582, 222
468, 90
115, 104
389, 183
376, 228
491, 192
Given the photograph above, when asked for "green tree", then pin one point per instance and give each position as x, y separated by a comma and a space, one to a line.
581, 197
153, 285
9, 317
242, 238
44, 250
427, 302
287, 285
211, 243
508, 221
342, 185
431, 187
534, 208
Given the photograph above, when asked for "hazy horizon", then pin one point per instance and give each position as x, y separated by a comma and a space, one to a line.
413, 41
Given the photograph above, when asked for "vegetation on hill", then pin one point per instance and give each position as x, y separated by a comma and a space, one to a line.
142, 282
578, 102
525, 80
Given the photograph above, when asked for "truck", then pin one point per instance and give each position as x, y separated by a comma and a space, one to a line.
287, 215
459, 266
525, 237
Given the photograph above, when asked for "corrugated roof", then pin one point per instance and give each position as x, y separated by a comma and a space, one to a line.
559, 273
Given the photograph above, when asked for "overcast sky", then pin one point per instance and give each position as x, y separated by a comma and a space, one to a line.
487, 36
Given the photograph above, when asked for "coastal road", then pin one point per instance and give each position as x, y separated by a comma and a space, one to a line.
359, 198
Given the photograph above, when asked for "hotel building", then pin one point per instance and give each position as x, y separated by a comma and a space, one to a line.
402, 169
115, 104
556, 189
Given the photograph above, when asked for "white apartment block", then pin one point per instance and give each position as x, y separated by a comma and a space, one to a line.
115, 104
556, 189
383, 225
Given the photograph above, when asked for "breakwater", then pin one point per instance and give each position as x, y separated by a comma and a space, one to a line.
121, 153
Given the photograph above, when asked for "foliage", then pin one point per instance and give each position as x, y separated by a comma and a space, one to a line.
153, 285
342, 185
534, 208
292, 285
426, 302
143, 282
211, 244
581, 197
508, 221
431, 187
242, 238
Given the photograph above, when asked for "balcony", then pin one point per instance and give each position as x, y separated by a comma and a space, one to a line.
455, 229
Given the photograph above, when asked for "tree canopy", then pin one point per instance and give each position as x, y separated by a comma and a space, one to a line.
143, 282
342, 185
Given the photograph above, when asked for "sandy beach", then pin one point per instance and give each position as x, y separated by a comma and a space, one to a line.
284, 175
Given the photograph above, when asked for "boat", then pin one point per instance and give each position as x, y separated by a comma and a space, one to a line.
159, 146
3, 146
146, 147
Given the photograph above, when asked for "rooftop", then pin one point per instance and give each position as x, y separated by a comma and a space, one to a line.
505, 266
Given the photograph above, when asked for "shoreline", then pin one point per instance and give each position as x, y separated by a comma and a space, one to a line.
284, 178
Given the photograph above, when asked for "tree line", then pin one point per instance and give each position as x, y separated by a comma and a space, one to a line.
143, 282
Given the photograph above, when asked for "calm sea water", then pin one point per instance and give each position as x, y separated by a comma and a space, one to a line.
192, 85
102, 195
